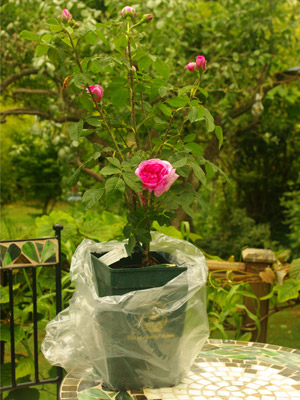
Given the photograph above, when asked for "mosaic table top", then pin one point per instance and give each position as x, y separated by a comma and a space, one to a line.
224, 369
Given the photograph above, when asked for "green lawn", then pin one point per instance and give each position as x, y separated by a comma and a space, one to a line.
17, 219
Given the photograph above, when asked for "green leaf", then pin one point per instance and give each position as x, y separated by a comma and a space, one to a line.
24, 367
252, 316
23, 394
143, 235
52, 21
289, 290
165, 109
66, 40
93, 121
41, 50
114, 161
210, 125
185, 89
189, 138
219, 134
57, 28
133, 181
101, 36
163, 90
203, 91
295, 269
86, 102
81, 80
195, 148
119, 96
198, 171
91, 38
162, 68
5, 331
75, 130
144, 63
167, 230
109, 170
178, 101
29, 35
114, 184
131, 243
91, 197
120, 43
188, 210
209, 170
193, 114
75, 177
180, 163
69, 30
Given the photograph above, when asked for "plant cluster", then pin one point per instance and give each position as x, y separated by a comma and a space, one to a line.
148, 155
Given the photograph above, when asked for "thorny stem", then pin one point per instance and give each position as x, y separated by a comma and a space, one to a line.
94, 100
192, 94
131, 89
166, 133
146, 258
145, 115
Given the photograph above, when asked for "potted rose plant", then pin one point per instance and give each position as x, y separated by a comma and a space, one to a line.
146, 154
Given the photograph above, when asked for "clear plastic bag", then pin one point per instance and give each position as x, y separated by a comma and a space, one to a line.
144, 338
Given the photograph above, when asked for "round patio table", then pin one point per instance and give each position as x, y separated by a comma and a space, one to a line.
224, 369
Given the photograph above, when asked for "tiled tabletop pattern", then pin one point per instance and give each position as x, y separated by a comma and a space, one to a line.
224, 369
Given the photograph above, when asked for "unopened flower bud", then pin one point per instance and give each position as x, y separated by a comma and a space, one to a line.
133, 68
192, 66
201, 62
148, 17
97, 92
128, 12
65, 15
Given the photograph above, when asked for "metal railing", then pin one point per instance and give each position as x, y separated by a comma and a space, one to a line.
23, 255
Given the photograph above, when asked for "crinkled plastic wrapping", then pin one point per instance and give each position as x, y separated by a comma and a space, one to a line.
114, 339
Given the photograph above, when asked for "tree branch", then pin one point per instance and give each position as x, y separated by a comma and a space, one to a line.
34, 91
40, 113
89, 171
278, 79
16, 76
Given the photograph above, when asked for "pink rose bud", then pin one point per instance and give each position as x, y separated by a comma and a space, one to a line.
156, 175
201, 62
133, 68
148, 17
65, 15
192, 66
128, 12
97, 92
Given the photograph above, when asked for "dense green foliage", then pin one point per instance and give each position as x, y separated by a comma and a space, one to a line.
248, 46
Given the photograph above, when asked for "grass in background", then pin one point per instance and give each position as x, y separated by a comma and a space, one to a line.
18, 219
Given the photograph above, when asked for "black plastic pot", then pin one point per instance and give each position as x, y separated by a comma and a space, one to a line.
150, 341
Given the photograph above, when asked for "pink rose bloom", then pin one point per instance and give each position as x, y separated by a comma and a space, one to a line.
65, 15
192, 66
128, 12
201, 62
157, 175
97, 92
